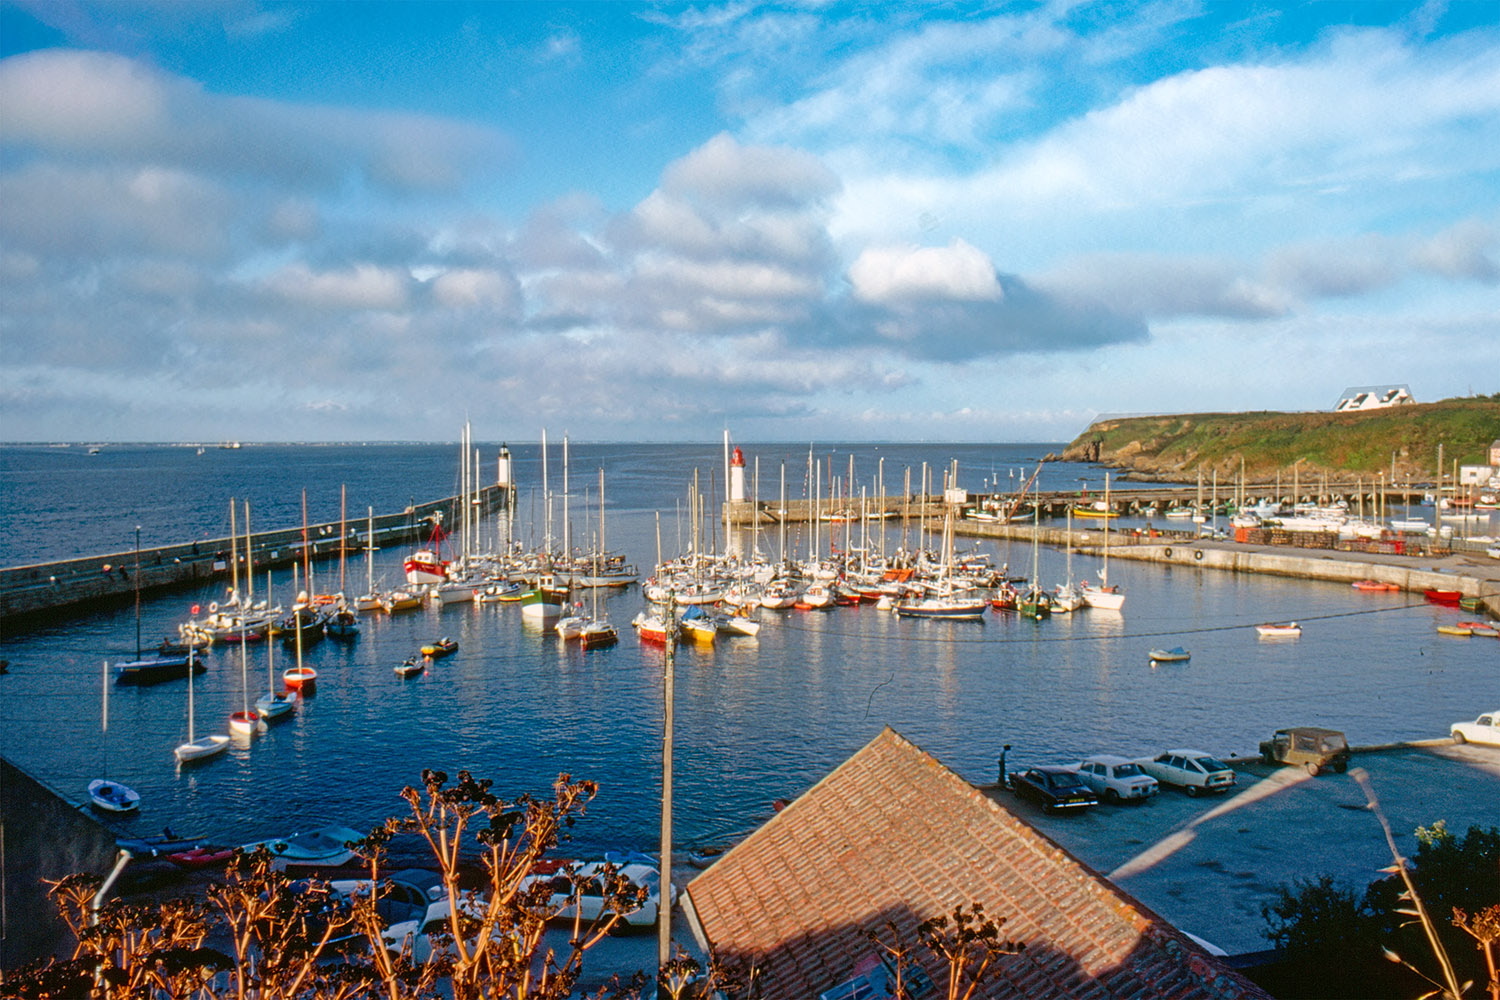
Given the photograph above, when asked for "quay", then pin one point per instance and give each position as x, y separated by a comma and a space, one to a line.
30, 595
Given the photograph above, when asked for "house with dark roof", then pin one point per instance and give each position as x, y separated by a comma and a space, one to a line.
1374, 397
891, 838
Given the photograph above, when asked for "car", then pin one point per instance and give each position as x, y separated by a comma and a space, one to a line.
1310, 746
407, 899
1194, 771
1485, 729
1055, 789
588, 901
1117, 779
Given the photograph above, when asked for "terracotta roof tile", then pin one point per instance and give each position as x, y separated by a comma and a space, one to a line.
892, 835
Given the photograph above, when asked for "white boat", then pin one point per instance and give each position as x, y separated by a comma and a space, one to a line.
1283, 630
1104, 597
1174, 655
111, 796
453, 592
328, 846
198, 748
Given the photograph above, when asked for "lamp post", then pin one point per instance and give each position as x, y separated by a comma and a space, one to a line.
137, 591
664, 892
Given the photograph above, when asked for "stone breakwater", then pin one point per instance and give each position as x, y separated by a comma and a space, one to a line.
36, 593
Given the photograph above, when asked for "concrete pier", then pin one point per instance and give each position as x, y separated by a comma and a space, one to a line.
33, 594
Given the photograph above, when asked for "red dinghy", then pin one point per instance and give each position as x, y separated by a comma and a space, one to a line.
298, 678
201, 857
1443, 596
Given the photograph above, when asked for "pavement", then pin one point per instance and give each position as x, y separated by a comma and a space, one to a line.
1208, 865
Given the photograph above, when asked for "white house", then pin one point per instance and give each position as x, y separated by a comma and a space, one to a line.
1374, 397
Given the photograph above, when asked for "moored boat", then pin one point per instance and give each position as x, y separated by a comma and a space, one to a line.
440, 647
299, 678
1443, 596
1173, 655
411, 666
328, 846
111, 796
1373, 585
1281, 630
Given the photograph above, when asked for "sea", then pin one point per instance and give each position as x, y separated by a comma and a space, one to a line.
756, 719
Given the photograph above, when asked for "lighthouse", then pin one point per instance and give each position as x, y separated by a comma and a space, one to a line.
737, 476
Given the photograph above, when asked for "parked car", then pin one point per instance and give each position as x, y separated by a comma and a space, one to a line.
1116, 779
1309, 746
1054, 789
639, 871
1194, 771
1485, 729
408, 898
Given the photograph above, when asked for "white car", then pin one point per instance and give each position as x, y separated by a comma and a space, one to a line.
1485, 729
1116, 779
1194, 770
636, 869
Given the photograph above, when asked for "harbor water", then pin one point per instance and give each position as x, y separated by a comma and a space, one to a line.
757, 719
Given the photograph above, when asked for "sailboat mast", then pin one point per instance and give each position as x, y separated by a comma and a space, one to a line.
249, 563
369, 556
234, 556
567, 525
343, 530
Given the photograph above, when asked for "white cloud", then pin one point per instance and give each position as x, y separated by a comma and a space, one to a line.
723, 172
361, 287
473, 288
957, 272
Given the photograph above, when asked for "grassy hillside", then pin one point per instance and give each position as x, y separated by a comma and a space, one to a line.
1179, 445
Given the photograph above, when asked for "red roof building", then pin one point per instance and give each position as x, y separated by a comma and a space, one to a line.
892, 838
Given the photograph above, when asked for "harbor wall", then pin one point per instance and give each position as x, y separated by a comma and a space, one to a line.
33, 595
42, 836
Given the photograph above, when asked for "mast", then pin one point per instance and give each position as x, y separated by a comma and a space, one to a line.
343, 533
369, 558
249, 563
234, 558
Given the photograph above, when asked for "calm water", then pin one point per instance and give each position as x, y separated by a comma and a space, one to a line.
757, 719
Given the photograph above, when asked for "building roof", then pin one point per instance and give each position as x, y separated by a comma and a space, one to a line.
1366, 396
891, 838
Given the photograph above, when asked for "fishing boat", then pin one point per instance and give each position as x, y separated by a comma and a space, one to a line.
411, 666
439, 648
1278, 630
544, 600
328, 846
427, 565
1174, 655
1097, 509
198, 748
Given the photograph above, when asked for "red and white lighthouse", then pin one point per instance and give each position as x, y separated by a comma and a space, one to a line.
737, 476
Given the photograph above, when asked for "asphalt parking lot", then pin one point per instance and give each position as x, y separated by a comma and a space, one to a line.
1207, 865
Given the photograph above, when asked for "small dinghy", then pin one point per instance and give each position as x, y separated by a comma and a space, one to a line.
411, 667
1282, 630
441, 647
1173, 655
111, 796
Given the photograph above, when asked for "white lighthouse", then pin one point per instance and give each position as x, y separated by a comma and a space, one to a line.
737, 476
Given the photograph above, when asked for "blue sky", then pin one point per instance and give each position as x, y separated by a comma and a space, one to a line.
967, 222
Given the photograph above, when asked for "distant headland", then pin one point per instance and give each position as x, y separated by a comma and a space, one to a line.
1402, 442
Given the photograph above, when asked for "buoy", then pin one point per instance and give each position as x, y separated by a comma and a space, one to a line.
1198, 554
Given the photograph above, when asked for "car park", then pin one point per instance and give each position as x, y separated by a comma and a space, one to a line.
1194, 771
1485, 729
1055, 789
1116, 779
1311, 747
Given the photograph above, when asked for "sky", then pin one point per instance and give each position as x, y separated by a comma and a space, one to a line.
795, 221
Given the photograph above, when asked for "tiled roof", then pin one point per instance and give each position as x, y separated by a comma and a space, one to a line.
893, 836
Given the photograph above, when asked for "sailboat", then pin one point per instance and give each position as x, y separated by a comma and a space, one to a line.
245, 722
598, 632
274, 705
1066, 598
299, 677
1104, 596
111, 796
945, 601
151, 669
1034, 604
198, 748
369, 600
